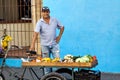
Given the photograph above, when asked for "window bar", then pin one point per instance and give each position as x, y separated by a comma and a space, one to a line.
20, 32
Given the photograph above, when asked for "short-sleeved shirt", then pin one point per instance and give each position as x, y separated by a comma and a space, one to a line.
48, 31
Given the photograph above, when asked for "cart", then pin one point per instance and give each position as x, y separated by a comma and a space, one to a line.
63, 67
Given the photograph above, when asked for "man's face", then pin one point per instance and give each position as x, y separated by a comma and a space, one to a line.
45, 14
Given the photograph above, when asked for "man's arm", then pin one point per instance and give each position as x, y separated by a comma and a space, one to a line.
60, 34
32, 47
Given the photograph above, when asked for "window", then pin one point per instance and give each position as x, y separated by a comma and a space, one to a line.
15, 10
24, 9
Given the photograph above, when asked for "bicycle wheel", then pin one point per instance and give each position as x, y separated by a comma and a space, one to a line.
67, 73
2, 77
53, 76
64, 70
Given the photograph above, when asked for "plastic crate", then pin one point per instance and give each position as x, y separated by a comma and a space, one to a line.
11, 62
87, 75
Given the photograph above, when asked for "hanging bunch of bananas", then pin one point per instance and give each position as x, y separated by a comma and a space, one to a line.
5, 41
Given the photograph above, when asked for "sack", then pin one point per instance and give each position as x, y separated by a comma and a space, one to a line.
87, 75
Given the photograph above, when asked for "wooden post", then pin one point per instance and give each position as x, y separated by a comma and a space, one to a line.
36, 15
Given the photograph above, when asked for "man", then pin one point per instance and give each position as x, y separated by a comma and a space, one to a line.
47, 26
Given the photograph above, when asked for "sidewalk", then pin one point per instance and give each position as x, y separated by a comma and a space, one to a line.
10, 73
110, 76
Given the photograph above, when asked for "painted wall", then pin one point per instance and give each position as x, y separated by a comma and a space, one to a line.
91, 27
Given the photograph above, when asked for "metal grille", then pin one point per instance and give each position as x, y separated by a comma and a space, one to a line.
15, 17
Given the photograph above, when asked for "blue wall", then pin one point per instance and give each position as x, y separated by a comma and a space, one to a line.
91, 27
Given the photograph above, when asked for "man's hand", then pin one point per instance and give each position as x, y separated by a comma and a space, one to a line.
58, 39
32, 47
60, 34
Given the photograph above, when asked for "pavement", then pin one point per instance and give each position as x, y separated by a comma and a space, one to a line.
14, 73
110, 76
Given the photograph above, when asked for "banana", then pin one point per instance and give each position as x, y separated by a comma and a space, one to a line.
56, 60
46, 60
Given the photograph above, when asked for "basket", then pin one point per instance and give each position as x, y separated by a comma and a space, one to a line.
87, 75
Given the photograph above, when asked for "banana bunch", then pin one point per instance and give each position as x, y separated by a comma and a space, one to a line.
4, 41
39, 59
46, 60
56, 60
